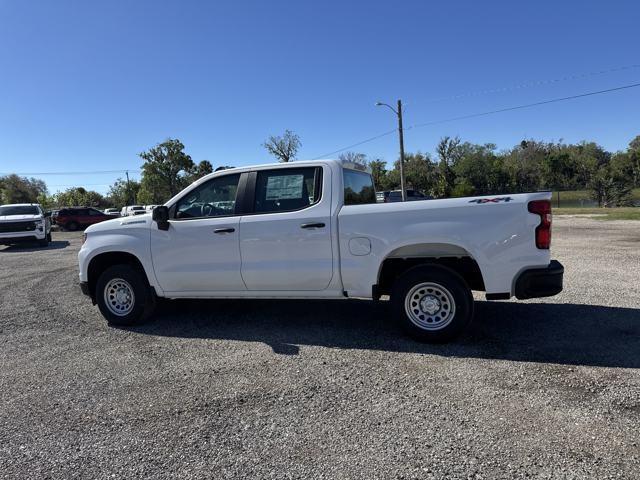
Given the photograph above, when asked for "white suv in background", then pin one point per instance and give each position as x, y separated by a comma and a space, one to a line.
24, 222
132, 210
112, 211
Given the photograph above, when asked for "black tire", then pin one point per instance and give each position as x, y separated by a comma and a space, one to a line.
71, 226
440, 301
45, 241
49, 237
143, 302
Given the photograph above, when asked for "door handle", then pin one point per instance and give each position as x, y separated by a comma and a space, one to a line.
224, 230
312, 225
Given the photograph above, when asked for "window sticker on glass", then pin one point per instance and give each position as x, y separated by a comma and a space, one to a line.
284, 187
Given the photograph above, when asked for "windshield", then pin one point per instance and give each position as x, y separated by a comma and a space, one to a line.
19, 210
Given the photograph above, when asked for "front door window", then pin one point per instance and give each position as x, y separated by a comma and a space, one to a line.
215, 198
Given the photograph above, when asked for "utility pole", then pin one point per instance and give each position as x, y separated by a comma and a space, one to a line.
404, 192
398, 113
128, 188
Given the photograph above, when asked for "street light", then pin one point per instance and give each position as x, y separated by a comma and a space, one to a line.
398, 113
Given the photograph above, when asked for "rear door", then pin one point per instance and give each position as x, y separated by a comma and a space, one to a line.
285, 239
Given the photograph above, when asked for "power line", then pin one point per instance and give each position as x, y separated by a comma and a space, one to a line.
535, 83
491, 112
357, 144
80, 185
435, 122
96, 172
528, 105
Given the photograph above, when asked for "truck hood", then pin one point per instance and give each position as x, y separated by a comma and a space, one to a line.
137, 221
19, 218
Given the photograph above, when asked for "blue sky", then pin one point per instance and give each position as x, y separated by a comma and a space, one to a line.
87, 85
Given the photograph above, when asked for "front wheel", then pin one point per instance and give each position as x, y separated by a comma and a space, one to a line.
432, 303
123, 296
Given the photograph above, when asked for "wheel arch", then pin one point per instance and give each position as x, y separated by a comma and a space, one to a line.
452, 256
102, 261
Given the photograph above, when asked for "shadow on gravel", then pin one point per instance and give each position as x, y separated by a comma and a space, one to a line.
528, 332
33, 247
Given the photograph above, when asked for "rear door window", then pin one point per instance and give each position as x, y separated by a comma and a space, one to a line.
358, 188
287, 189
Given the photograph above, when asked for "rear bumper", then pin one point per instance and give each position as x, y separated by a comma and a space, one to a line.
540, 282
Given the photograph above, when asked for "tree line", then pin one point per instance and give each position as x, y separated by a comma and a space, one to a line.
456, 169
166, 169
461, 169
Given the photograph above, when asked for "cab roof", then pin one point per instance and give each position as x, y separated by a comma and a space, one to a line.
297, 163
20, 205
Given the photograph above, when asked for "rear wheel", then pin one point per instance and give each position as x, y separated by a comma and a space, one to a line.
432, 303
123, 296
71, 226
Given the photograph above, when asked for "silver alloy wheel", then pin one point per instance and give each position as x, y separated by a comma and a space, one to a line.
119, 297
430, 306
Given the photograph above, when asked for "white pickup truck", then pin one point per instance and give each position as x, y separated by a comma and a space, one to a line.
314, 230
24, 222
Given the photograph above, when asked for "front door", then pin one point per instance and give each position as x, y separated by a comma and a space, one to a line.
285, 240
200, 252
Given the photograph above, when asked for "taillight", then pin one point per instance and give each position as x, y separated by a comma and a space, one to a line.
543, 231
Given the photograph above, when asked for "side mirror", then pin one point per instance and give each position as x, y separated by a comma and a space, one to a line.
160, 215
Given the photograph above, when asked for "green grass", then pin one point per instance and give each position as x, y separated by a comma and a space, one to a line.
582, 198
623, 213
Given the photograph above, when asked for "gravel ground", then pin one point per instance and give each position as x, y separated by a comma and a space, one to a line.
299, 389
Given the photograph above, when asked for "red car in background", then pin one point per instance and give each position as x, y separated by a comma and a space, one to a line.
73, 218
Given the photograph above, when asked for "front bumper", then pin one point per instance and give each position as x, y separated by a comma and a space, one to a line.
20, 239
540, 282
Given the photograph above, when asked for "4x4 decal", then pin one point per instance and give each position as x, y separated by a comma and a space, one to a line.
491, 200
